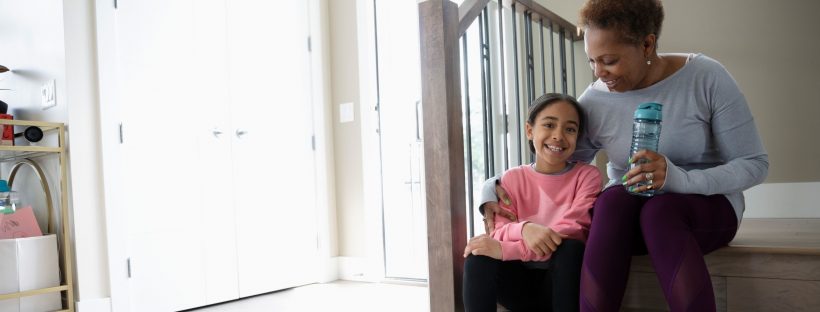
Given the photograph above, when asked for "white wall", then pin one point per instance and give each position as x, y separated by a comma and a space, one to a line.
33, 48
324, 118
53, 39
347, 136
355, 142
85, 156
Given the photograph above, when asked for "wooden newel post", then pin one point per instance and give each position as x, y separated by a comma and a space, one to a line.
443, 152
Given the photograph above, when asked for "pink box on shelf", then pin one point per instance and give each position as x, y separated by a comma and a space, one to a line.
19, 224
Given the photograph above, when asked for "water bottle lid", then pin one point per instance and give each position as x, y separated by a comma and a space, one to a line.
4, 186
650, 111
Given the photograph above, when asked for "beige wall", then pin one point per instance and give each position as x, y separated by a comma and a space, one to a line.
568, 9
767, 47
347, 137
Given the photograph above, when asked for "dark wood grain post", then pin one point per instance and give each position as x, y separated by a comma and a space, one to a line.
443, 152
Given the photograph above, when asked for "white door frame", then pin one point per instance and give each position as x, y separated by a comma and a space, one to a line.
116, 221
371, 175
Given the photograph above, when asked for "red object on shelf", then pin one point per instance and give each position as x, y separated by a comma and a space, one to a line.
8, 131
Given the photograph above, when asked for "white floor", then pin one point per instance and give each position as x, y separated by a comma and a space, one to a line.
335, 296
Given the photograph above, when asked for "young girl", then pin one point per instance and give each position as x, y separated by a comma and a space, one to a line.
534, 263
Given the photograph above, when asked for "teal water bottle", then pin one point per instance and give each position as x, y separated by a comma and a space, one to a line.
646, 132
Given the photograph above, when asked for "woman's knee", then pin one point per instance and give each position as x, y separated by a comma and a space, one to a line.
661, 212
615, 212
611, 195
614, 199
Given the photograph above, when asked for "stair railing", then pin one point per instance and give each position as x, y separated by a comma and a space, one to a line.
516, 64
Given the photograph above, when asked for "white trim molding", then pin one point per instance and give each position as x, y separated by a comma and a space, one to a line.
360, 269
783, 200
94, 305
328, 270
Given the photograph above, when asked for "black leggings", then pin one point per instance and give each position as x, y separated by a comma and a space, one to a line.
519, 286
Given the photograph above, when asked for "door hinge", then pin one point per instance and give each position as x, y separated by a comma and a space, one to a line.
377, 110
115, 4
313, 142
128, 265
310, 45
120, 126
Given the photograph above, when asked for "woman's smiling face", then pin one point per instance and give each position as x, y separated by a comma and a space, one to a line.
621, 66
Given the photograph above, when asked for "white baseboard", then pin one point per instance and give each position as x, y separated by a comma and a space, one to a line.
356, 269
94, 305
783, 200
329, 270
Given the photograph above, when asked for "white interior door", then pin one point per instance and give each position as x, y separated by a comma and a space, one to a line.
154, 45
269, 84
214, 215
405, 218
215, 157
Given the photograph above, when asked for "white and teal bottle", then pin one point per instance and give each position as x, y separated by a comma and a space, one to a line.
8, 198
646, 132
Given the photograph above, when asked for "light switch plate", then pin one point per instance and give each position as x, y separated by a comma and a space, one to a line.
345, 112
48, 94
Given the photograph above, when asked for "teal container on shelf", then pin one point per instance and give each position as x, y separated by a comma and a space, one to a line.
8, 198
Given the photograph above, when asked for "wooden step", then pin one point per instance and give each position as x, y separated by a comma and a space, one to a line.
771, 265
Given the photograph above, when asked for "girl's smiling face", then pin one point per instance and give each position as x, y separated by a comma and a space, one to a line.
554, 134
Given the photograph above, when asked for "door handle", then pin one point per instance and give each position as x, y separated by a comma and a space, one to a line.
240, 133
216, 132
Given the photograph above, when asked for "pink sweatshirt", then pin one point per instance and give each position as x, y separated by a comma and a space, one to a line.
560, 202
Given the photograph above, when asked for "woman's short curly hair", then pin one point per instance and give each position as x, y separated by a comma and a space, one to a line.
633, 19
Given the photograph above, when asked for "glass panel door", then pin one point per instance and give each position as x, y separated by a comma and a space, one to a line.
399, 87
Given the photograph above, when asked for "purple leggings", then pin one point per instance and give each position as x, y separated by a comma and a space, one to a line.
676, 230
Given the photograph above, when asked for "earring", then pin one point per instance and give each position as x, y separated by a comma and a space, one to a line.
648, 62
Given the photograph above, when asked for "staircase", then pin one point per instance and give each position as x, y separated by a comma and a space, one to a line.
771, 265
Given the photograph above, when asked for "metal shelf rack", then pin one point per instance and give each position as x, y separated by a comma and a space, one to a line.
19, 155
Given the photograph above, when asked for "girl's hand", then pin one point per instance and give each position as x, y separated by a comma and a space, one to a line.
492, 208
653, 172
540, 239
483, 245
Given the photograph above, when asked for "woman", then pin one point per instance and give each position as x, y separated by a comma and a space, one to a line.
709, 153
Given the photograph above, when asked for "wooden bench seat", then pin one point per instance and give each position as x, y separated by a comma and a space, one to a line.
771, 265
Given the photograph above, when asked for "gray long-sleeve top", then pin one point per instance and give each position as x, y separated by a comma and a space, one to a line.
708, 133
